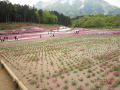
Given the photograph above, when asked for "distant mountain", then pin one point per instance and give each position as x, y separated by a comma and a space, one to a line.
75, 8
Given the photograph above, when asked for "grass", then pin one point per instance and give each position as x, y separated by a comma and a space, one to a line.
6, 26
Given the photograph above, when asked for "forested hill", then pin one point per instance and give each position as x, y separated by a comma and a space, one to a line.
23, 13
97, 21
75, 8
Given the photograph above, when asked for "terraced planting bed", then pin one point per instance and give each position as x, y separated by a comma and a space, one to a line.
90, 62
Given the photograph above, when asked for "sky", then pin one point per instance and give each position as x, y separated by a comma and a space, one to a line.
33, 2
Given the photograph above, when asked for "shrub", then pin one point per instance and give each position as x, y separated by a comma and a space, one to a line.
66, 81
93, 74
66, 87
74, 83
44, 89
86, 84
88, 76
97, 86
116, 68
116, 74
117, 83
89, 71
33, 82
81, 79
51, 63
38, 86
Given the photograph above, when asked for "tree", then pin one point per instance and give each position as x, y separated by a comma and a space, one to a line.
25, 13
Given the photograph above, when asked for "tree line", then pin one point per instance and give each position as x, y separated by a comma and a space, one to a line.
96, 21
23, 13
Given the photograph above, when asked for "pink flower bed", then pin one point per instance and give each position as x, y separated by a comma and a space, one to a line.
29, 30
82, 31
89, 31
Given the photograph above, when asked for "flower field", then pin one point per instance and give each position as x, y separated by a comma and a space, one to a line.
90, 62
35, 32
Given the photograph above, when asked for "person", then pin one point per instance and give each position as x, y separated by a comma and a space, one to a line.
16, 38
0, 39
6, 38
76, 32
53, 35
40, 35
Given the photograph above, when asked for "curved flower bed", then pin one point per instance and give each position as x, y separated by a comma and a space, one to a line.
33, 33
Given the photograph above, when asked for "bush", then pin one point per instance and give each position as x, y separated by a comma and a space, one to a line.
116, 84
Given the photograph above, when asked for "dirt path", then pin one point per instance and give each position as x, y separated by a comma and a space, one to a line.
5, 80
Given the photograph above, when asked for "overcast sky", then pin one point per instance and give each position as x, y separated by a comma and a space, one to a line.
33, 2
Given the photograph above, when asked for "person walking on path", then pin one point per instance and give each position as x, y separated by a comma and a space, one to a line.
16, 38
53, 35
2, 39
40, 36
6, 38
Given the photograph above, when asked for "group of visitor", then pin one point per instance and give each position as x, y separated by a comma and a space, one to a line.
2, 39
16, 38
53, 35
77, 32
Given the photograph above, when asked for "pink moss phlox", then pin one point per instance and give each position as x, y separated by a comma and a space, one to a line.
71, 89
54, 80
91, 87
102, 65
110, 89
63, 87
81, 86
